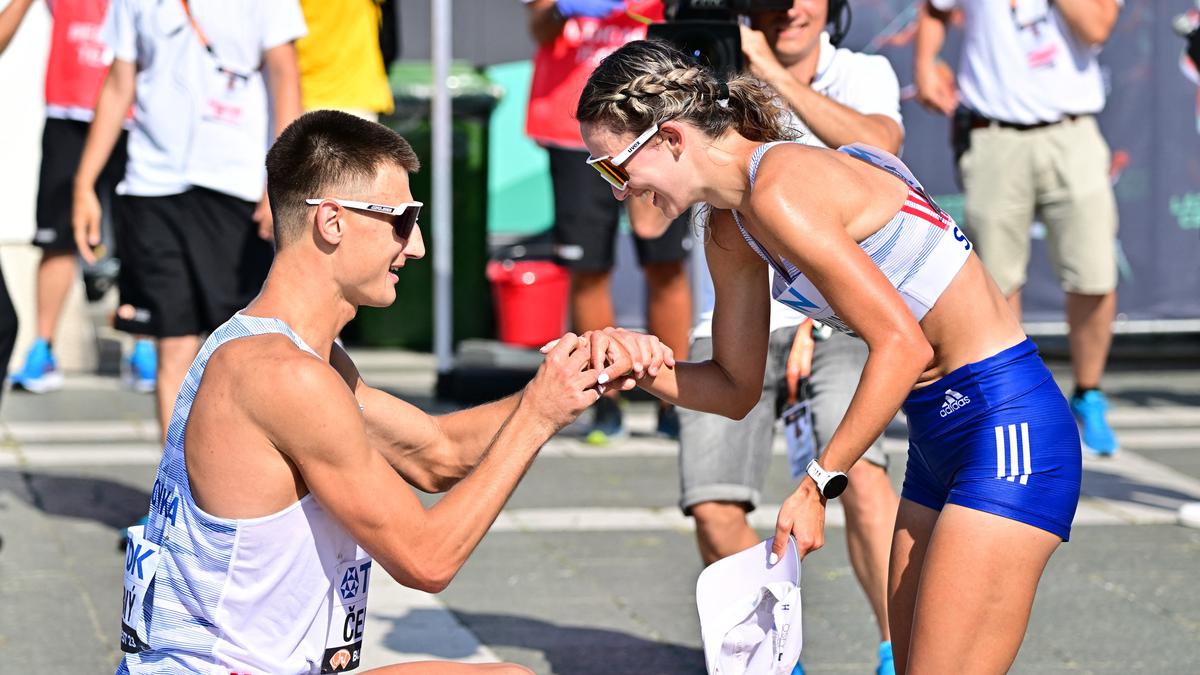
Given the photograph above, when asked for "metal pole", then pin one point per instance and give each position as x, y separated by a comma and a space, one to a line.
442, 208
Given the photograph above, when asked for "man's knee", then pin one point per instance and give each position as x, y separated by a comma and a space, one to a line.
714, 517
870, 492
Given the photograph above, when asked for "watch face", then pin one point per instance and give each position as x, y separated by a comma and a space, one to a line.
835, 486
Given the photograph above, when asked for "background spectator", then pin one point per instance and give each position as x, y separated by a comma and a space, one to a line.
341, 65
1028, 145
195, 244
573, 36
76, 67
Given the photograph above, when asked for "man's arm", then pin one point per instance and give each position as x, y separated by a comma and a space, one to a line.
544, 22
835, 124
283, 80
113, 103
431, 452
935, 90
1091, 20
10, 21
323, 435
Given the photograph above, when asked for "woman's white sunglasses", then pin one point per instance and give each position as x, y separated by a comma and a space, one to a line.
610, 168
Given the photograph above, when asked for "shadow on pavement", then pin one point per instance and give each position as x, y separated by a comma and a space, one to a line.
1121, 488
107, 502
568, 649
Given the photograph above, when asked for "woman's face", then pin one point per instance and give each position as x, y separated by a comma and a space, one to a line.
655, 169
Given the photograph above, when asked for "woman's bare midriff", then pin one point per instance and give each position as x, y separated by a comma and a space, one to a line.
969, 322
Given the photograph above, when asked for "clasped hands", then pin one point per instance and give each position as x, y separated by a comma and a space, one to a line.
631, 356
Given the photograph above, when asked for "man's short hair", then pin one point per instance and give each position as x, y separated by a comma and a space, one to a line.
321, 152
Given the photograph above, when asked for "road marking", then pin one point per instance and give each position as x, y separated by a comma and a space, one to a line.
406, 625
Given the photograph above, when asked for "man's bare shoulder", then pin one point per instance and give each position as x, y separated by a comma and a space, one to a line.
276, 383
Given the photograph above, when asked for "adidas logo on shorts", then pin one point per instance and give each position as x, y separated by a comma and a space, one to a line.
954, 401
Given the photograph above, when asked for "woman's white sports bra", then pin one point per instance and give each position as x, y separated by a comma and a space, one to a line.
919, 250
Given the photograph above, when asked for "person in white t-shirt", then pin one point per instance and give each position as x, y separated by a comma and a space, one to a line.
1027, 143
836, 97
210, 84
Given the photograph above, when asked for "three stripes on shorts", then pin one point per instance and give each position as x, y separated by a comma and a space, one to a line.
1012, 453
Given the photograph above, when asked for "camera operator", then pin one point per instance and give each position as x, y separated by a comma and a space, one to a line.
836, 97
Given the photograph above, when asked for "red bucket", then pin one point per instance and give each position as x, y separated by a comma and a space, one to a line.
531, 300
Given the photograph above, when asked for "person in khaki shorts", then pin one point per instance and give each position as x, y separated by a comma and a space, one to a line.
1027, 144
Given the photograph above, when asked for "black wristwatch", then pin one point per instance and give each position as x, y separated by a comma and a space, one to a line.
830, 483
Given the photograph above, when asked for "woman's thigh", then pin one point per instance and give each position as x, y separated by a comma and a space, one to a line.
978, 578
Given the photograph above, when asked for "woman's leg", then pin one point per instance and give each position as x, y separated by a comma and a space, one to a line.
914, 527
979, 577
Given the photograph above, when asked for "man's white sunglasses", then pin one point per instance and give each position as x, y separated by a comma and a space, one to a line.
404, 216
610, 168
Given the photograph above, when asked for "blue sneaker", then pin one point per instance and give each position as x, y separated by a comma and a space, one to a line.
798, 670
608, 424
1089, 410
668, 423
886, 665
140, 370
40, 374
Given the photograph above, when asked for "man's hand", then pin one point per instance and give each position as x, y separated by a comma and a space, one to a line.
262, 217
763, 63
85, 222
597, 9
564, 386
935, 87
801, 515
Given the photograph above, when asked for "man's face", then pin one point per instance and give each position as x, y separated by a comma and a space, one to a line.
793, 34
371, 253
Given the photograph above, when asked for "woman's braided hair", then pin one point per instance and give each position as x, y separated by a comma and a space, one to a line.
649, 81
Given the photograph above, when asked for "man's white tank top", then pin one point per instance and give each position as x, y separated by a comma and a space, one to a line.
919, 250
284, 593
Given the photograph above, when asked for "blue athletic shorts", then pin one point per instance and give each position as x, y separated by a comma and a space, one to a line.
996, 436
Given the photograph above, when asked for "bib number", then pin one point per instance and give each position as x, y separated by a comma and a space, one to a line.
141, 562
348, 618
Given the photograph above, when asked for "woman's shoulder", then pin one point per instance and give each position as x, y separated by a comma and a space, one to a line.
794, 168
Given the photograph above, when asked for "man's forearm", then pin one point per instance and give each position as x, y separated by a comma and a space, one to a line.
463, 516
469, 432
10, 21
112, 105
544, 22
835, 124
931, 35
1091, 20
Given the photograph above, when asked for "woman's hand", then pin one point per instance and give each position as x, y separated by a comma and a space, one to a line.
802, 516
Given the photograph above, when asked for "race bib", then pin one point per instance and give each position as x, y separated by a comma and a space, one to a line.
343, 647
141, 562
801, 441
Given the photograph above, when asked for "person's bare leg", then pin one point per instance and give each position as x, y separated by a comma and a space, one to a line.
669, 305
55, 274
870, 504
451, 668
914, 527
722, 530
1089, 334
980, 575
591, 301
175, 356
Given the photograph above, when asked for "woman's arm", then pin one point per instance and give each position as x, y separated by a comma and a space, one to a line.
804, 221
730, 383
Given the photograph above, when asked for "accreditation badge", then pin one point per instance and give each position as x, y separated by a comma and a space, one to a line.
801, 440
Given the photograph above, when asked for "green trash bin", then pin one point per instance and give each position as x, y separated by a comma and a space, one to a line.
408, 323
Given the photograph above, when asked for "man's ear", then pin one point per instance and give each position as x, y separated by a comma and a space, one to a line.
328, 223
